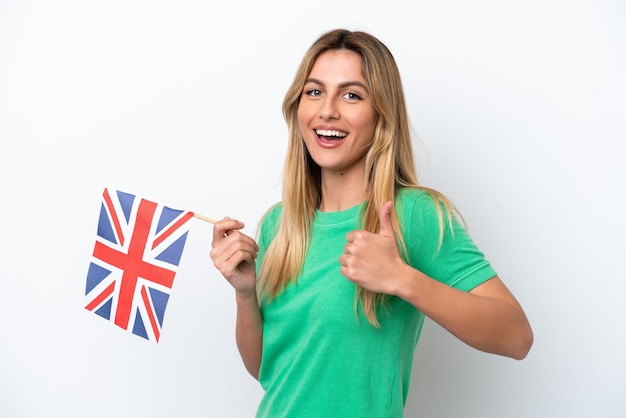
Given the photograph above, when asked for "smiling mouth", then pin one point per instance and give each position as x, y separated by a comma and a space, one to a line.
330, 135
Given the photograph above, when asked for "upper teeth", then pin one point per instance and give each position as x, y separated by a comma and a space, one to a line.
323, 132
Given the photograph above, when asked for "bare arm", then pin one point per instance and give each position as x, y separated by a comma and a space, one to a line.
488, 318
234, 255
249, 333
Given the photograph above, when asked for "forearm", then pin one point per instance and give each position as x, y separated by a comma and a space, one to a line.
249, 332
488, 319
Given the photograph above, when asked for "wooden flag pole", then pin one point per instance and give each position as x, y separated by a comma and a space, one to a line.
204, 218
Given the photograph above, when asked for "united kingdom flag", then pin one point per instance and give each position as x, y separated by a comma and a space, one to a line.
138, 247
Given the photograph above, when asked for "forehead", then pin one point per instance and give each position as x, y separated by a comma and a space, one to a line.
338, 65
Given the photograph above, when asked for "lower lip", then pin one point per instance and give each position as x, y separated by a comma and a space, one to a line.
329, 144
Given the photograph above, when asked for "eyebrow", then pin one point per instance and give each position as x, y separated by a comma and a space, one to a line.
341, 85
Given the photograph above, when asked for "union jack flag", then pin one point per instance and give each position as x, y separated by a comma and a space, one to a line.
138, 247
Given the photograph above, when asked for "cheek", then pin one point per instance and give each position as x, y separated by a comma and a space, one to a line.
301, 124
370, 124
303, 131
304, 115
304, 123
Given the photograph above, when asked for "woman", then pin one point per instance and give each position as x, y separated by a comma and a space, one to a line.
331, 302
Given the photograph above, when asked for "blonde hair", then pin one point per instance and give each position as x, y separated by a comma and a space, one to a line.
389, 165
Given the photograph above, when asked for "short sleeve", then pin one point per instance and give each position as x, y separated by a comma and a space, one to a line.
453, 259
267, 230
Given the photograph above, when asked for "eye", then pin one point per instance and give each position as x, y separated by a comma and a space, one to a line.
352, 96
313, 92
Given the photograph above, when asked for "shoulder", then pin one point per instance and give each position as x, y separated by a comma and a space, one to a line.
425, 202
273, 212
269, 220
412, 195
425, 215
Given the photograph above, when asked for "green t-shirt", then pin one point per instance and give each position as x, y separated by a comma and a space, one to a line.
318, 359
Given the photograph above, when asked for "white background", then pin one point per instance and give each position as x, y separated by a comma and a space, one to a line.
519, 112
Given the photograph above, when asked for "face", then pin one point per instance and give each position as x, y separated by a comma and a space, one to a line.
335, 115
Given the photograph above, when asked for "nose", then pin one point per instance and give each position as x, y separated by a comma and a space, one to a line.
329, 109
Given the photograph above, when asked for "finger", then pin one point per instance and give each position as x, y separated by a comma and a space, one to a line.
356, 235
224, 228
386, 227
239, 256
244, 244
227, 260
236, 241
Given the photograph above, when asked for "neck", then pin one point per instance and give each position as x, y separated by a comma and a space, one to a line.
341, 191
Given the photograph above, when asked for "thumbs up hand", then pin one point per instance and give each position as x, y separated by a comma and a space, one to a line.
373, 261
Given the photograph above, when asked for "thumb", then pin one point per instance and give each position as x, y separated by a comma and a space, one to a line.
385, 220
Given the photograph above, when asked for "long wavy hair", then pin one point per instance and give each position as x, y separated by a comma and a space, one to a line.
389, 166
